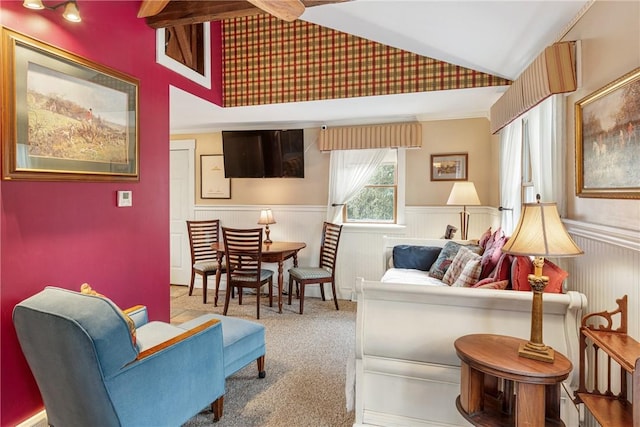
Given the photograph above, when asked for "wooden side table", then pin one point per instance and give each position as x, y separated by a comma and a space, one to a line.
488, 358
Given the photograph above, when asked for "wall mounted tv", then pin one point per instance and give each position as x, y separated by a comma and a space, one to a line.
263, 153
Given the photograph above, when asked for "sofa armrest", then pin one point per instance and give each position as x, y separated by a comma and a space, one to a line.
137, 313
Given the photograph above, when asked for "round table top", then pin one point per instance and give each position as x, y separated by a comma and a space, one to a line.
498, 355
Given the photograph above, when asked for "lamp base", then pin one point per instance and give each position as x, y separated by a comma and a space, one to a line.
267, 241
534, 351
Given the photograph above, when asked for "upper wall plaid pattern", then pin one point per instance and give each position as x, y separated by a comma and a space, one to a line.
269, 61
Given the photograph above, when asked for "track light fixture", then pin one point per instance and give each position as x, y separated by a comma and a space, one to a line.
70, 12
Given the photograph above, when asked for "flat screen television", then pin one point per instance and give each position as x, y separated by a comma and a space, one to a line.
263, 153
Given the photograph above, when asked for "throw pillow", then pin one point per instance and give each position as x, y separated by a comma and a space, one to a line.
522, 266
491, 256
86, 289
500, 284
416, 257
448, 253
469, 275
484, 238
458, 263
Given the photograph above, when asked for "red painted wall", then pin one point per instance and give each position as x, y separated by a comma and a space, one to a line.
67, 233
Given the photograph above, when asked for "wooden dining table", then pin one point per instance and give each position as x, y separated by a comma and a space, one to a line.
275, 252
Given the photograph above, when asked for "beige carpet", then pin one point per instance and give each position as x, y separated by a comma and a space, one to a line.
306, 363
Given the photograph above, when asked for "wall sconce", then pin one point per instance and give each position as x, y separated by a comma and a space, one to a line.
70, 13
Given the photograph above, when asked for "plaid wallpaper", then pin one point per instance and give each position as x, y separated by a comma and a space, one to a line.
269, 61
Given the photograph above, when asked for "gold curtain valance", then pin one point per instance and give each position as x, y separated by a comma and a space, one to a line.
553, 71
374, 136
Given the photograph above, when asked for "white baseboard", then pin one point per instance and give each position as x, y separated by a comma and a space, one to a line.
38, 420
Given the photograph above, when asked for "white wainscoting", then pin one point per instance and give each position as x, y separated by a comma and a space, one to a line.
360, 251
608, 270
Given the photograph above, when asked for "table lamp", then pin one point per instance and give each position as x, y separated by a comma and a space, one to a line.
539, 233
463, 194
266, 218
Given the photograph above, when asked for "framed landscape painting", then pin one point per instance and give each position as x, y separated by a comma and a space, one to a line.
65, 118
449, 167
608, 140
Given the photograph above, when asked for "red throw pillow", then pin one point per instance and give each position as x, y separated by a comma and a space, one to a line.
500, 285
521, 268
485, 238
491, 256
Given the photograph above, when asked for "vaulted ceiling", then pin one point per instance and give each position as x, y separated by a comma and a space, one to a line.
496, 37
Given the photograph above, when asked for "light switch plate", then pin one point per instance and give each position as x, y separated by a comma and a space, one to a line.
125, 199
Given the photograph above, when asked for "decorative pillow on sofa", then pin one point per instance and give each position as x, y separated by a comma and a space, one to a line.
416, 257
448, 253
85, 288
469, 275
485, 238
500, 284
458, 264
522, 266
491, 255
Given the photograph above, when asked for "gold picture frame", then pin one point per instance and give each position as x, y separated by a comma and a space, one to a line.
608, 140
65, 118
449, 167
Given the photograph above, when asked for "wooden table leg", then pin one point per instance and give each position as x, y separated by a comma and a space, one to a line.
471, 389
280, 280
218, 274
530, 411
552, 395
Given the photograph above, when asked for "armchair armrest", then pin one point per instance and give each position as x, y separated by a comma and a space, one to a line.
137, 313
172, 341
170, 359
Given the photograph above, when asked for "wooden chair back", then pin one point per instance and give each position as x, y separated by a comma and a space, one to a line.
201, 235
243, 250
329, 245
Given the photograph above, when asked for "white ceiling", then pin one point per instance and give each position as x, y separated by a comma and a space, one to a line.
499, 37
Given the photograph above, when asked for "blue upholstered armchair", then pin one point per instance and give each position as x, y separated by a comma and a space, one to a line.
92, 371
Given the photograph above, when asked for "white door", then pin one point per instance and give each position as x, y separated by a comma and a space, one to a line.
181, 192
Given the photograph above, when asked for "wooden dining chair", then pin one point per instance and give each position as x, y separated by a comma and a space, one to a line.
325, 272
204, 260
243, 251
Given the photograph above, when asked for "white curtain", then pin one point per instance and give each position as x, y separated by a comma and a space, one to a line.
510, 174
546, 128
349, 172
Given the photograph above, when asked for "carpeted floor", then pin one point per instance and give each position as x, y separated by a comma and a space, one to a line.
306, 363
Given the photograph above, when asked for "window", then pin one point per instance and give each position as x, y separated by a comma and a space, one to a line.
528, 191
377, 202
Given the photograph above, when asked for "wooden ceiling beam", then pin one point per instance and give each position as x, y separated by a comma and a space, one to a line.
183, 12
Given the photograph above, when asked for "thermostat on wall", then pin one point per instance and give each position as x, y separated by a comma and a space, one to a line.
124, 199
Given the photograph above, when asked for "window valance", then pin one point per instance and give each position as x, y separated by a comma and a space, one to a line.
375, 136
553, 71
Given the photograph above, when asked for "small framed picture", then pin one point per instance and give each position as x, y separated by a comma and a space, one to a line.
213, 184
449, 167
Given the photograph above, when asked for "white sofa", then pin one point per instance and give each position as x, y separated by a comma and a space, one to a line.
407, 372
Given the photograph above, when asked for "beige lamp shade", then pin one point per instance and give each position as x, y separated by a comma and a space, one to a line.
540, 232
266, 217
463, 194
